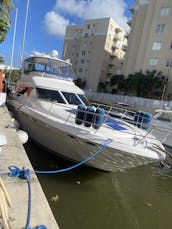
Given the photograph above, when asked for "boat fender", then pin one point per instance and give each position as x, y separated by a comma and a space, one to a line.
142, 119
98, 118
80, 114
23, 136
89, 118
147, 118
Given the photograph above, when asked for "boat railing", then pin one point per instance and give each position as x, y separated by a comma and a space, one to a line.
111, 115
135, 119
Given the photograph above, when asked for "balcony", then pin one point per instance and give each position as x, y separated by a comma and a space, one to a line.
115, 46
126, 35
118, 30
115, 54
124, 47
117, 36
111, 62
110, 71
122, 61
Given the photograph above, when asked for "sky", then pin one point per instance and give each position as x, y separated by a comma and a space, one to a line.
47, 21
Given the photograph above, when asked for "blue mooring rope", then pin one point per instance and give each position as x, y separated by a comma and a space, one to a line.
25, 174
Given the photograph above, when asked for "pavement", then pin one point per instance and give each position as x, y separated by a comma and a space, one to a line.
13, 154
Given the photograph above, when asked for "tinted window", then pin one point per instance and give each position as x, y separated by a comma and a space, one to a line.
50, 95
84, 99
71, 98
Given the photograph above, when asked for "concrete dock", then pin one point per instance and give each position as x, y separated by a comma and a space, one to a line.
13, 153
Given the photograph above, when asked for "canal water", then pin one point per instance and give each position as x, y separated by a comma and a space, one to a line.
86, 198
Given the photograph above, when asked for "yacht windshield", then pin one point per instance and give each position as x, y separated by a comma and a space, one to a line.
55, 67
84, 99
61, 97
71, 98
50, 95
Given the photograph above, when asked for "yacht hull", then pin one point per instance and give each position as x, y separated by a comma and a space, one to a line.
75, 148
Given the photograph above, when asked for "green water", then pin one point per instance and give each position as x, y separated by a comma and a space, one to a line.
86, 198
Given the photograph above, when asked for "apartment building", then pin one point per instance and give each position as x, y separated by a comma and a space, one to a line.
150, 39
96, 50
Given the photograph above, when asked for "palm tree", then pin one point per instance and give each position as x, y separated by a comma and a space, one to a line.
5, 8
155, 80
119, 82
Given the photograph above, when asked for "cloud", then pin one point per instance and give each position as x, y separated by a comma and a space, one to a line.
54, 53
55, 24
94, 9
71, 7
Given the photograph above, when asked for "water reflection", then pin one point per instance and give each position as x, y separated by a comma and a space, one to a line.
86, 198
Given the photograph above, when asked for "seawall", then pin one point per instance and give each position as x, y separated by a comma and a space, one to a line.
13, 154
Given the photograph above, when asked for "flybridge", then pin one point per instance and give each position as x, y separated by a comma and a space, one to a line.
48, 66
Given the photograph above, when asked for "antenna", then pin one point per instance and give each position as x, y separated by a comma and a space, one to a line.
24, 34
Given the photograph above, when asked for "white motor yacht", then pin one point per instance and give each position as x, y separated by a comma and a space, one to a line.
56, 114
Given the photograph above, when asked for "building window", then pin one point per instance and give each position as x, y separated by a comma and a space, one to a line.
86, 35
156, 45
169, 63
88, 26
153, 62
171, 45
164, 11
82, 61
80, 69
160, 28
83, 53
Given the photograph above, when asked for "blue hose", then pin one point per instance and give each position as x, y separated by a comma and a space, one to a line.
25, 174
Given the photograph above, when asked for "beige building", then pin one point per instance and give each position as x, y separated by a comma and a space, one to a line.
96, 50
150, 39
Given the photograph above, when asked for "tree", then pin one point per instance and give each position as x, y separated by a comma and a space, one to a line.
101, 87
5, 8
155, 81
119, 82
148, 84
15, 74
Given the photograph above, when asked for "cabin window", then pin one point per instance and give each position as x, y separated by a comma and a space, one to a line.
71, 98
50, 95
